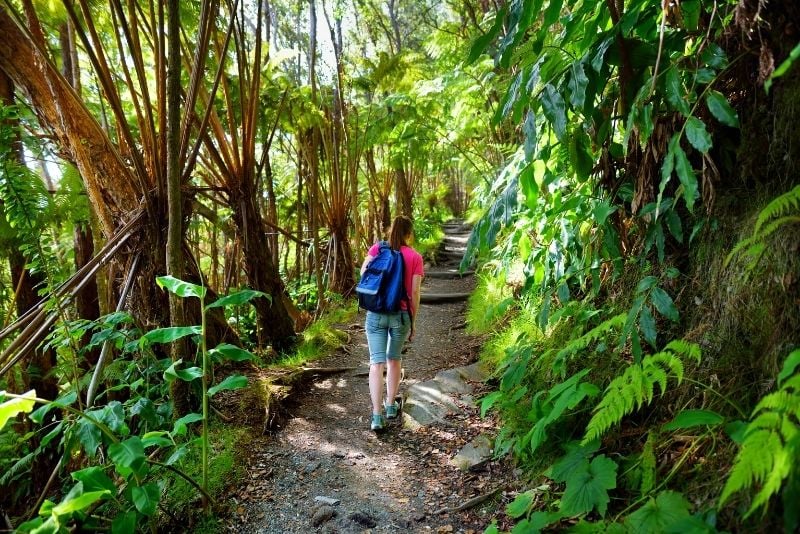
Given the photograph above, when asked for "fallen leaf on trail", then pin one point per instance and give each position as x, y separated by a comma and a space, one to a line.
444, 529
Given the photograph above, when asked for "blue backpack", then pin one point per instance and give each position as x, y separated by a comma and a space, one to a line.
381, 288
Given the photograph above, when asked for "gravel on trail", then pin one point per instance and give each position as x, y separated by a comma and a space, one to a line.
326, 471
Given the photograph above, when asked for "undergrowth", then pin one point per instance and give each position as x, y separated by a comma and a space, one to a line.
626, 401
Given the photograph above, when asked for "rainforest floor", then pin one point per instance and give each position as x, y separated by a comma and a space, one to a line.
400, 480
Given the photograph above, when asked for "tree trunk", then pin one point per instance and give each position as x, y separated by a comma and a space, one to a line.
402, 191
86, 302
273, 321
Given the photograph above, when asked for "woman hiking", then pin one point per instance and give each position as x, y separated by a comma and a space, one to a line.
386, 332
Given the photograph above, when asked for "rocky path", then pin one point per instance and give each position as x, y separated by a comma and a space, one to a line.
325, 471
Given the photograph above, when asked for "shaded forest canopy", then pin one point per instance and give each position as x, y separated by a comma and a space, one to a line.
188, 189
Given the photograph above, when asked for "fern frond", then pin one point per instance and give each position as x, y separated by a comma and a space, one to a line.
753, 463
766, 224
771, 446
778, 206
636, 388
19, 468
592, 336
684, 348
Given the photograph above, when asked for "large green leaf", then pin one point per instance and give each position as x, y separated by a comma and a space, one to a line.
180, 426
697, 134
521, 504
79, 502
693, 418
238, 298
128, 456
226, 351
647, 325
663, 303
171, 333
13, 407
531, 139
676, 95
124, 523
659, 513
230, 382
146, 497
588, 489
555, 110
181, 288
686, 176
94, 479
37, 416
187, 375
577, 85
719, 107
89, 436
483, 41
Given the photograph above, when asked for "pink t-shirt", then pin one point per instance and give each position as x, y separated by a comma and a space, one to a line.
413, 265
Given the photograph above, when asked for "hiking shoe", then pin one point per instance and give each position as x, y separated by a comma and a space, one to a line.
377, 422
391, 410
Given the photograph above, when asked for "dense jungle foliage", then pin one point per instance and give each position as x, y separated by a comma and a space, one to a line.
188, 189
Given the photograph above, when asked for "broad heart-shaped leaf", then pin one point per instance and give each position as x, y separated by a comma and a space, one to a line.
124, 523
238, 298
128, 456
75, 504
145, 498
693, 418
575, 460
697, 134
587, 489
719, 107
94, 479
555, 111
187, 375
226, 351
659, 513
180, 288
230, 382
37, 416
521, 504
663, 303
89, 436
12, 407
179, 429
171, 333
686, 176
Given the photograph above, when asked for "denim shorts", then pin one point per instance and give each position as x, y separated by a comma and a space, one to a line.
386, 333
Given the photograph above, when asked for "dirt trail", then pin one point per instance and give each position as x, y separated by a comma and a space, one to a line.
396, 481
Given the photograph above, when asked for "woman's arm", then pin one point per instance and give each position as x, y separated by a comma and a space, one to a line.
416, 286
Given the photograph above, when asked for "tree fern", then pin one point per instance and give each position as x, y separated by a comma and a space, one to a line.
771, 443
636, 386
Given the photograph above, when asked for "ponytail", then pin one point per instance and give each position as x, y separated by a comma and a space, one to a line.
401, 229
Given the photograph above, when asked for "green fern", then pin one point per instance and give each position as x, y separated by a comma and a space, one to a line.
771, 443
636, 386
592, 336
776, 214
